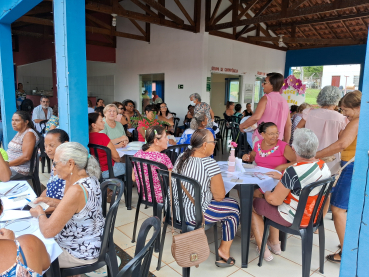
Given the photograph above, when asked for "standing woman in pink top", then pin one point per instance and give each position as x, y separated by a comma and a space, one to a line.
271, 108
325, 122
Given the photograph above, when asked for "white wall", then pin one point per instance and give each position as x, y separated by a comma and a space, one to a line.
349, 70
38, 74
184, 58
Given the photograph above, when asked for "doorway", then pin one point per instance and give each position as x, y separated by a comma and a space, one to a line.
336, 81
150, 83
224, 87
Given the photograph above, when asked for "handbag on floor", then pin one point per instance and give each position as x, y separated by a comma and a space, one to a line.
191, 248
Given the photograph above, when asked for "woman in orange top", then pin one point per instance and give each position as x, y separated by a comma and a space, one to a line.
346, 144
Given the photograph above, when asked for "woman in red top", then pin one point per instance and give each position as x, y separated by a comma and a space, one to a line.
148, 121
96, 124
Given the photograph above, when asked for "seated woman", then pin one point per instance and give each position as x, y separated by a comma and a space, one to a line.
53, 121
270, 152
280, 205
130, 110
18, 257
77, 222
96, 125
20, 148
156, 141
164, 112
229, 112
114, 129
199, 121
196, 163
120, 116
55, 187
187, 120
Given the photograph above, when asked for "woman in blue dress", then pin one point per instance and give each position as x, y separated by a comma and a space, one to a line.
199, 121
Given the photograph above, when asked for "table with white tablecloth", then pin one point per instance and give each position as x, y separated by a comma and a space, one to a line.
245, 184
20, 221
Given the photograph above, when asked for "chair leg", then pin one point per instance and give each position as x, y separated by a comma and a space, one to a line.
42, 164
136, 219
321, 248
159, 215
113, 258
48, 165
307, 247
222, 146
216, 242
283, 239
264, 241
164, 231
186, 271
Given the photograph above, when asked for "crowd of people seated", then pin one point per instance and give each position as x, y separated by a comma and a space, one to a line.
301, 144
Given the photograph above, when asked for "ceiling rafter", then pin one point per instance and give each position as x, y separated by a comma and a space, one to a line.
262, 9
297, 4
307, 40
185, 13
145, 8
215, 11
155, 5
337, 5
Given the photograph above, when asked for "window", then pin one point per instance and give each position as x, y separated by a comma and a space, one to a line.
356, 80
232, 90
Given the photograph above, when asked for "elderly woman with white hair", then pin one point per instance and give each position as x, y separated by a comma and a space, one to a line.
114, 129
325, 122
280, 204
77, 222
199, 121
202, 107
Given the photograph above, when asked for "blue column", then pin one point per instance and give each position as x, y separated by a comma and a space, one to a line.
356, 245
71, 68
7, 91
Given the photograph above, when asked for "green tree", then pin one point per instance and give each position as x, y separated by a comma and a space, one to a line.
310, 70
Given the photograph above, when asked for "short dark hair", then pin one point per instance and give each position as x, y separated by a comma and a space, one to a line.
263, 126
229, 103
63, 135
151, 108
100, 111
276, 80
294, 108
238, 107
189, 106
98, 100
125, 103
44, 97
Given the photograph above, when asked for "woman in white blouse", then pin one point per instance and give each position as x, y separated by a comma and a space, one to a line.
77, 222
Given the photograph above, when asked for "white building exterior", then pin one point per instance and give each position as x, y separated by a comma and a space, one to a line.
346, 75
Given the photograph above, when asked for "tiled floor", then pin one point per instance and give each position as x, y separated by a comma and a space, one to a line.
287, 264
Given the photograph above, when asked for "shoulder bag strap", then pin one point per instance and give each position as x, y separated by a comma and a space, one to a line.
193, 202
340, 171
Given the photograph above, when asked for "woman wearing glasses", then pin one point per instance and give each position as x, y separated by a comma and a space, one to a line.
130, 110
271, 108
196, 163
270, 152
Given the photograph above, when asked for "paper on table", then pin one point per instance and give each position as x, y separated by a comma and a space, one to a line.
14, 214
10, 204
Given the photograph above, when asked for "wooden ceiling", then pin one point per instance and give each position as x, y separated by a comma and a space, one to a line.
278, 24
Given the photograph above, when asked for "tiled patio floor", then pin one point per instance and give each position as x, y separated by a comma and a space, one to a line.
287, 264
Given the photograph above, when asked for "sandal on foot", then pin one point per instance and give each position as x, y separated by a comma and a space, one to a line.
334, 260
274, 248
267, 259
225, 263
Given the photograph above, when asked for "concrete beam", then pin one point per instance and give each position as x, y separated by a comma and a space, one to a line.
71, 68
7, 83
11, 10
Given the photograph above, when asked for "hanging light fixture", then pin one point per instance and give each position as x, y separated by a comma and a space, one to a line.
280, 42
114, 20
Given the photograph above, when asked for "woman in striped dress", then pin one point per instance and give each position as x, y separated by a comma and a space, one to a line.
196, 163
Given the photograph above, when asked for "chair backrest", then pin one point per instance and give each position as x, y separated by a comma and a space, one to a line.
139, 266
234, 130
94, 148
43, 126
326, 187
110, 216
174, 114
180, 223
220, 123
216, 118
139, 164
175, 121
243, 146
174, 151
135, 135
